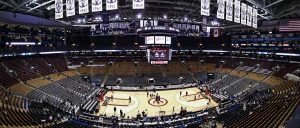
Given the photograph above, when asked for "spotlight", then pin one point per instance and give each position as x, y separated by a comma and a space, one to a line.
185, 18
165, 17
117, 16
139, 16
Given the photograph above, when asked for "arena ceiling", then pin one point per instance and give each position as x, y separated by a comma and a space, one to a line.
174, 9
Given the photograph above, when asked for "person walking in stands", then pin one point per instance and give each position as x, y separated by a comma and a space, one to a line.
115, 109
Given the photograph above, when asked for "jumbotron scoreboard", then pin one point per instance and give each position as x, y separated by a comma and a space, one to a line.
158, 40
159, 55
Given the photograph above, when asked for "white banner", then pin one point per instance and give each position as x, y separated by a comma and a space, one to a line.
229, 10
244, 14
96, 5
249, 16
70, 7
205, 7
208, 32
254, 24
111, 4
59, 9
237, 11
83, 6
221, 9
138, 4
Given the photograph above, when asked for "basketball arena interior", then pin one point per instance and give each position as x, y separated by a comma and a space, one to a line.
149, 63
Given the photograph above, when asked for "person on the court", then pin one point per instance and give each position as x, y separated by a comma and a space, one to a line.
173, 109
115, 109
180, 93
121, 113
186, 93
112, 97
129, 99
156, 99
143, 114
138, 116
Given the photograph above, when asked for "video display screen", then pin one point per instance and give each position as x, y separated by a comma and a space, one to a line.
159, 54
160, 40
168, 40
149, 40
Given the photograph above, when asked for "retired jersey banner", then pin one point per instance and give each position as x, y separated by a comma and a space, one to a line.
244, 14
254, 24
83, 6
249, 16
111, 4
221, 9
96, 5
205, 7
59, 9
138, 4
70, 7
229, 10
237, 11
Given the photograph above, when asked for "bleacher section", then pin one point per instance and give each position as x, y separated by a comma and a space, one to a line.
268, 98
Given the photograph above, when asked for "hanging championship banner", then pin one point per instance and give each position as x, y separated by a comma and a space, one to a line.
243, 14
83, 6
138, 4
96, 5
229, 9
111, 4
70, 7
237, 11
249, 16
254, 24
221, 9
59, 9
205, 7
